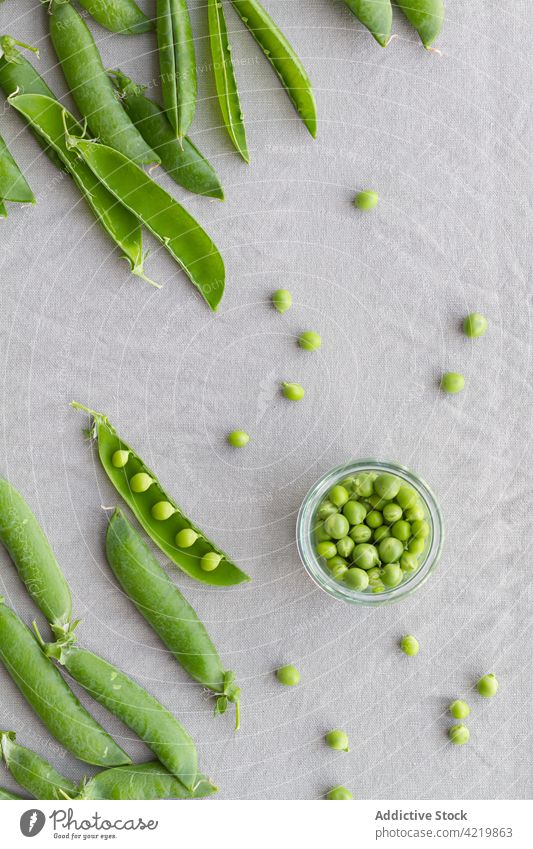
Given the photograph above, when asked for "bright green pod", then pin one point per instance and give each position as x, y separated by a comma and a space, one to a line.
162, 533
375, 15
33, 772
282, 57
50, 697
134, 706
177, 63
426, 16
142, 781
225, 81
123, 16
34, 560
165, 609
13, 184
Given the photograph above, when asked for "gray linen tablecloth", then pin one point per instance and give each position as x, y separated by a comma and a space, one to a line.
445, 140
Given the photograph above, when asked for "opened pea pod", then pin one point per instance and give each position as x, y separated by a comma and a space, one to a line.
167, 611
164, 522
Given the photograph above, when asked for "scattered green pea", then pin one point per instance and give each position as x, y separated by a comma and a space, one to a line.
288, 675
380, 533
293, 391
459, 735
309, 340
410, 645
392, 513
120, 458
163, 510
210, 561
238, 438
326, 549
387, 486
186, 537
406, 497
452, 382
337, 526
459, 709
401, 530
338, 568
365, 556
415, 513
282, 300
339, 495
408, 562
339, 793
326, 509
366, 199
374, 519
391, 575
360, 533
390, 550
356, 579
475, 325
487, 686
338, 740
355, 512
140, 482
321, 535
420, 529
416, 546
364, 484
345, 546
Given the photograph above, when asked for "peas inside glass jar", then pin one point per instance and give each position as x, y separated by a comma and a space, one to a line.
387, 522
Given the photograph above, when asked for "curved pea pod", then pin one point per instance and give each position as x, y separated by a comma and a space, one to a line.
51, 698
123, 16
48, 117
375, 15
34, 560
181, 160
169, 222
137, 709
426, 16
143, 781
13, 185
282, 57
6, 795
177, 63
90, 86
225, 81
163, 533
34, 773
166, 610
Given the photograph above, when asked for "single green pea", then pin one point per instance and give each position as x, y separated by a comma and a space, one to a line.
326, 509
410, 645
365, 556
293, 391
238, 438
345, 546
377, 502
374, 519
380, 533
288, 675
337, 794
320, 534
387, 486
378, 588
391, 575
338, 740
326, 549
452, 382
140, 482
374, 576
186, 537
338, 495
459, 709
366, 199
282, 300
364, 484
392, 513
339, 568
309, 340
337, 526
163, 510
475, 325
390, 550
120, 458
356, 579
348, 483
210, 561
360, 533
355, 512
420, 529
415, 514
487, 686
401, 530
416, 546
408, 562
406, 497
459, 735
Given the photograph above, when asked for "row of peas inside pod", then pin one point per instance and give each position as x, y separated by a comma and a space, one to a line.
372, 531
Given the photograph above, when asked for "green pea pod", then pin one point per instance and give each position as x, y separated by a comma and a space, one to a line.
50, 697
137, 709
163, 533
225, 81
181, 159
426, 16
165, 609
34, 559
48, 117
282, 57
90, 86
177, 63
3, 210
180, 234
143, 781
5, 795
34, 773
375, 15
122, 16
13, 186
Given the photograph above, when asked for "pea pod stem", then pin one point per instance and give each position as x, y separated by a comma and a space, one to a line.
177, 63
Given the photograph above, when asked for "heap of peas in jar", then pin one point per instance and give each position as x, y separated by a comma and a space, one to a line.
372, 531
